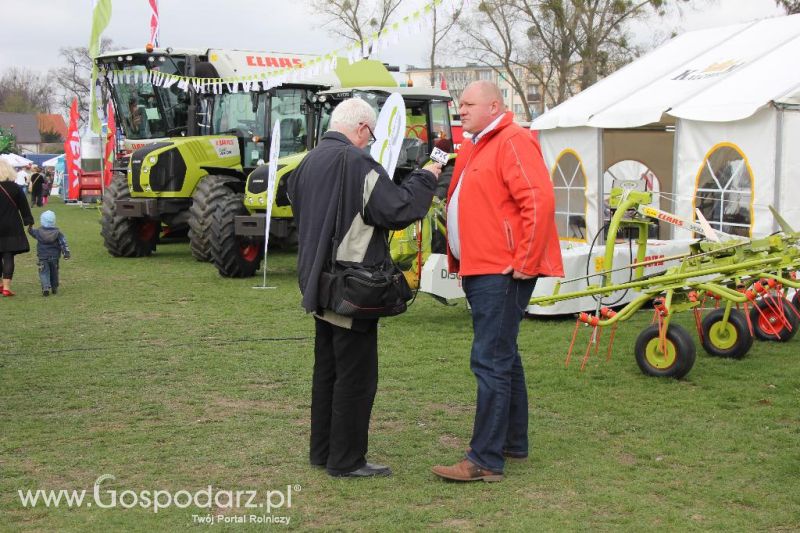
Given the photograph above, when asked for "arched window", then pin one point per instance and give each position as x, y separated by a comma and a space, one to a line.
724, 190
569, 184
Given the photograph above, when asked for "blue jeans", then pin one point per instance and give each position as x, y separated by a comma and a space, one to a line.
48, 272
501, 417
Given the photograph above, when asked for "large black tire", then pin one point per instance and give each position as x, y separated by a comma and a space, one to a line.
124, 236
680, 352
796, 300
733, 340
766, 322
206, 198
234, 256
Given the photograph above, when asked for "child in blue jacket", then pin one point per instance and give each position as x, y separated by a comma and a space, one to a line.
50, 244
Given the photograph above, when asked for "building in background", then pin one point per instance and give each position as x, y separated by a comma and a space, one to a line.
457, 78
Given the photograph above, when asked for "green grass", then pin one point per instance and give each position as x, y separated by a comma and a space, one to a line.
158, 371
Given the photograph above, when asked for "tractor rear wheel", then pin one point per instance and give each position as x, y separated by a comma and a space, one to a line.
674, 362
768, 324
205, 199
234, 256
732, 339
125, 236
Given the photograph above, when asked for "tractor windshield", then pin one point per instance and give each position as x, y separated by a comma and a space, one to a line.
146, 111
242, 114
289, 106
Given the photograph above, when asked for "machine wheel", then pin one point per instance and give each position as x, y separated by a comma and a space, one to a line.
234, 256
124, 236
732, 339
678, 359
206, 198
796, 300
767, 321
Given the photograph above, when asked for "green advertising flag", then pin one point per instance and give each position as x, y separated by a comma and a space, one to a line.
101, 14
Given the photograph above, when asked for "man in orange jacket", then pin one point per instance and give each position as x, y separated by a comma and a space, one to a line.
502, 236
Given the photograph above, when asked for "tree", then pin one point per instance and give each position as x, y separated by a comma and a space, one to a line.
492, 36
603, 40
356, 20
74, 78
791, 6
442, 24
8, 142
24, 91
551, 57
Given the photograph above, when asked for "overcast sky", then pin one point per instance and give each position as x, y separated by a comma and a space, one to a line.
33, 30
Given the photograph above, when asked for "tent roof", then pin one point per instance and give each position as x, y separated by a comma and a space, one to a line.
719, 75
16, 161
53, 161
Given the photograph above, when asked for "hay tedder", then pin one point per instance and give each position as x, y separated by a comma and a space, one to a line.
740, 284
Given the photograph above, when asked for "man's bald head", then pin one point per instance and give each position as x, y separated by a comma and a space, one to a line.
480, 104
489, 91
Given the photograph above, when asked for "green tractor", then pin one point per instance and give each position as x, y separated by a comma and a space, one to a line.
185, 149
237, 231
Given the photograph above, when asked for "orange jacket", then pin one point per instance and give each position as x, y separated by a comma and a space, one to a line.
506, 206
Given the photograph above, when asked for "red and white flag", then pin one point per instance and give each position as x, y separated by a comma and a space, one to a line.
154, 23
72, 154
111, 146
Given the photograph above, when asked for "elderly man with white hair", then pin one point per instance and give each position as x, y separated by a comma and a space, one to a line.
345, 375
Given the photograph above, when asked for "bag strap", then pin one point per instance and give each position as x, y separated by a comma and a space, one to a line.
10, 198
335, 240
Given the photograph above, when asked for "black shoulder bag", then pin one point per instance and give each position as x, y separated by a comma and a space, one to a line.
362, 291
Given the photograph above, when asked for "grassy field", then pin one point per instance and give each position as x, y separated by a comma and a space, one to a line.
168, 377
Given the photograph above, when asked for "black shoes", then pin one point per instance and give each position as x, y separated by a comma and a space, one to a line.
368, 470
45, 292
55, 290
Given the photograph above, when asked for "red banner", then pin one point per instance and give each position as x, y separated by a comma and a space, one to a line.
72, 154
111, 146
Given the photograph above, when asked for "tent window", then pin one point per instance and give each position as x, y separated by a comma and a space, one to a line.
569, 184
724, 190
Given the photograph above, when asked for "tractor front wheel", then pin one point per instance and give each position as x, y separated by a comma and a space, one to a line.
125, 236
674, 361
771, 324
235, 256
206, 197
730, 339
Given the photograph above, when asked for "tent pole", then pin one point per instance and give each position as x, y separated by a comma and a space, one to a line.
778, 164
601, 206
674, 191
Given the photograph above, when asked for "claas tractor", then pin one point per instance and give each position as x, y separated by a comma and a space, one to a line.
186, 146
237, 235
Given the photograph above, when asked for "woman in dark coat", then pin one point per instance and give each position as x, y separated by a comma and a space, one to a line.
14, 212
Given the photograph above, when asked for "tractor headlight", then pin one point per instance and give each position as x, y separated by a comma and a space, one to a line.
250, 201
261, 200
152, 160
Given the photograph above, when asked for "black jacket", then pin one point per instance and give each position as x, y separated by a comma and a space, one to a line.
370, 201
14, 211
37, 183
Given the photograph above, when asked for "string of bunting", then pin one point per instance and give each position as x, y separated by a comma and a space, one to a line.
413, 23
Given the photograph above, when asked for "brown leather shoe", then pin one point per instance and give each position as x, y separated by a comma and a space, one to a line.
466, 470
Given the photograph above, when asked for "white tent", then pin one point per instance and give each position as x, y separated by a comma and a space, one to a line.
16, 160
714, 115
52, 162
